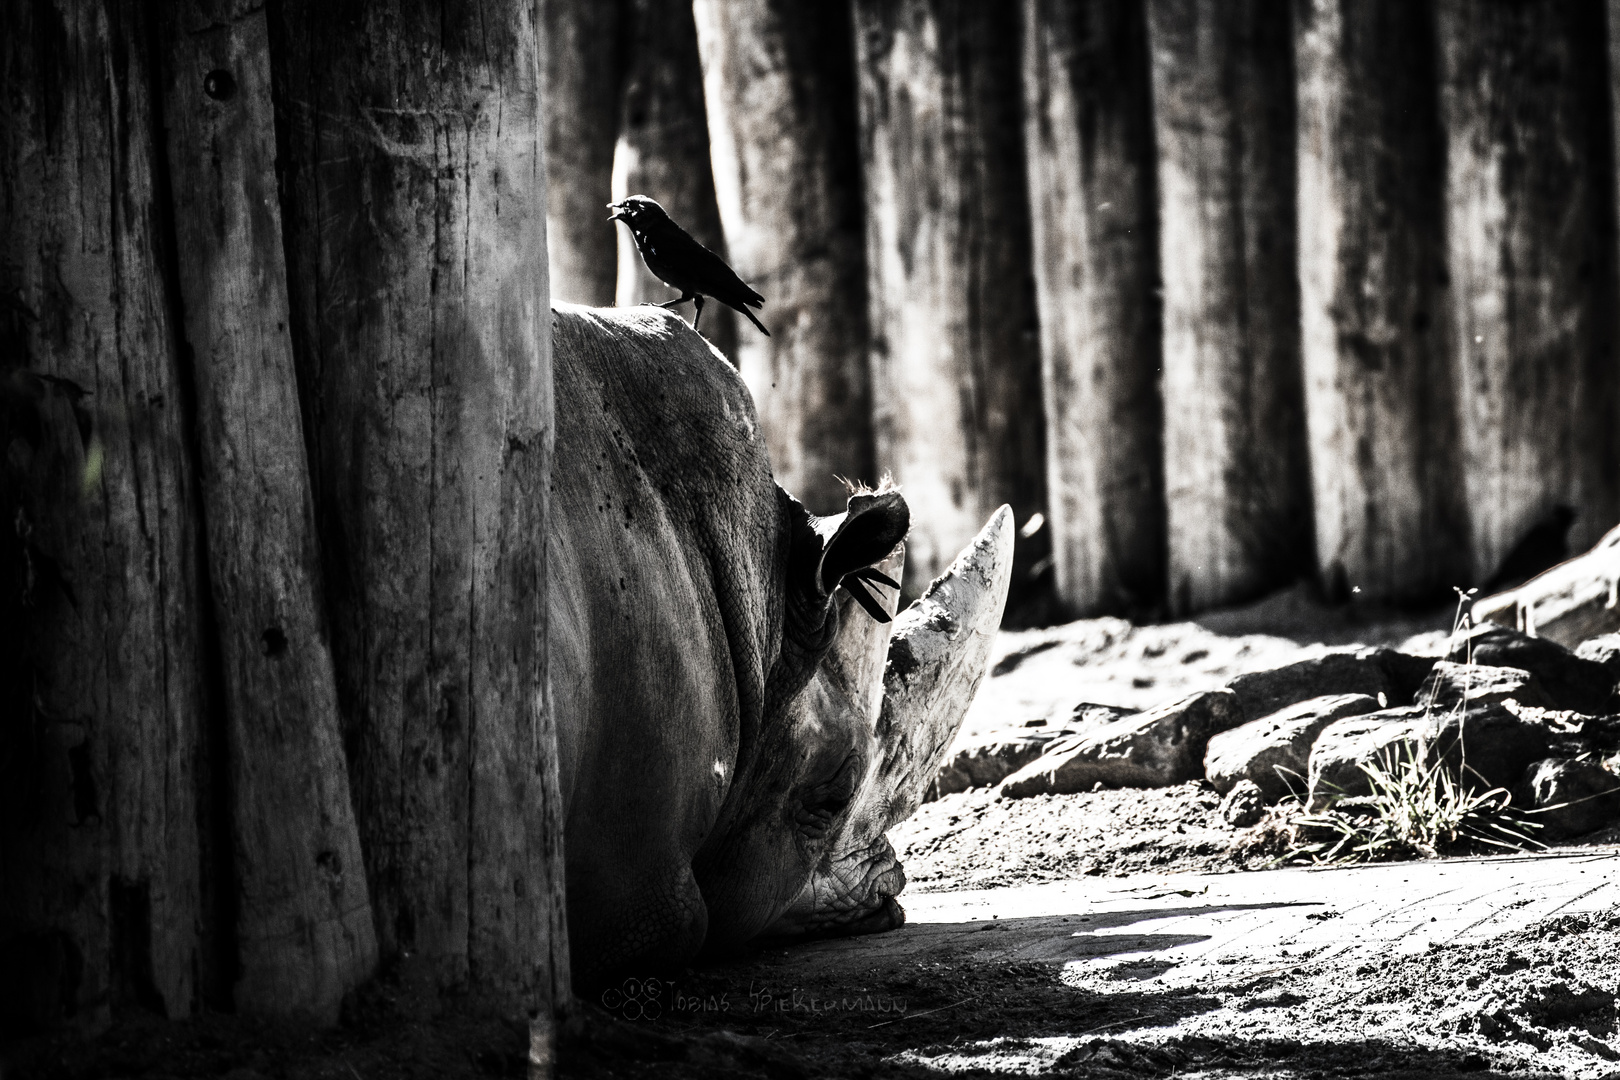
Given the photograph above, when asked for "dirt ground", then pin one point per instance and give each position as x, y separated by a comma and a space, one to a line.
1537, 1001
972, 840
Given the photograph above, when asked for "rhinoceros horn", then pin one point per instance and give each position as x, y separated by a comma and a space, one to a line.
938, 651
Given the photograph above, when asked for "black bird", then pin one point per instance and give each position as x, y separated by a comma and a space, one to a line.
681, 262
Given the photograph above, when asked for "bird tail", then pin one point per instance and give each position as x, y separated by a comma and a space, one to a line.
755, 321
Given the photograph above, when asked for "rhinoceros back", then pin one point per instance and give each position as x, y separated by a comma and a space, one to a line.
665, 545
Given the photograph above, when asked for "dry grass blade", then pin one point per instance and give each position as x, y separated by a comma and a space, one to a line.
1418, 808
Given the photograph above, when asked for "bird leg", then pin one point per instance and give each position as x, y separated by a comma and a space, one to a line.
681, 299
697, 313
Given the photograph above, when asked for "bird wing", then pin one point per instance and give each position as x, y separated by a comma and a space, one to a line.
694, 268
712, 277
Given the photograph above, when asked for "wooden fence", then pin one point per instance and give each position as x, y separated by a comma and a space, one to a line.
1230, 292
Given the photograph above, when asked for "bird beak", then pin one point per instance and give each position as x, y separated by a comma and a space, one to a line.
618, 212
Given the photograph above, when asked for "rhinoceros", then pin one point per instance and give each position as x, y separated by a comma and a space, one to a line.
735, 734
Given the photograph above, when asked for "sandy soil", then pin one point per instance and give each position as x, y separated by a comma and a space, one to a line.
972, 840
1536, 1002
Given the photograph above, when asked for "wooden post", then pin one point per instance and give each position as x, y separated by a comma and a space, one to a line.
663, 153
304, 927
780, 88
1089, 124
1237, 490
584, 75
1389, 517
416, 229
955, 355
103, 748
1530, 224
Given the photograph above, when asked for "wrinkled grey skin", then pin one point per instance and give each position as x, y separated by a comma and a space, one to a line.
936, 659
694, 608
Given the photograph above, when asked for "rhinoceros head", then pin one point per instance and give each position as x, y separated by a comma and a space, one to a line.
858, 741
937, 654
795, 779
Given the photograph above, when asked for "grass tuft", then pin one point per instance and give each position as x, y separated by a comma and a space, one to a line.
1418, 807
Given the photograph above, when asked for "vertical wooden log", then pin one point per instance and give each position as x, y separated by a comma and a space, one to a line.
416, 221
663, 153
584, 75
1389, 523
955, 355
780, 88
101, 705
1237, 489
1089, 125
1613, 56
1530, 226
304, 925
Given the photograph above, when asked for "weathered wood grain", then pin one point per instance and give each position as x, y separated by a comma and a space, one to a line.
102, 717
303, 926
779, 81
1237, 490
1530, 233
584, 66
1384, 466
663, 153
1573, 601
1089, 135
955, 350
415, 217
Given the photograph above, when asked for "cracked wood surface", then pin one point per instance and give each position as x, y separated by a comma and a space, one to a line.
303, 924
419, 300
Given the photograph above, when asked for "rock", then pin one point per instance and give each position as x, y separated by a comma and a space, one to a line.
1557, 1003
1156, 748
1450, 684
1486, 744
1571, 681
1571, 734
1600, 735
1568, 604
1274, 751
1244, 805
994, 758
1345, 746
1568, 798
1404, 671
1597, 1048
1603, 649
1088, 715
1366, 671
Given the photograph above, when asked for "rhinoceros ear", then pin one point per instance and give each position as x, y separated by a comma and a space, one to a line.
864, 534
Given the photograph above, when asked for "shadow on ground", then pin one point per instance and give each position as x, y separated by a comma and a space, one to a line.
933, 1013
